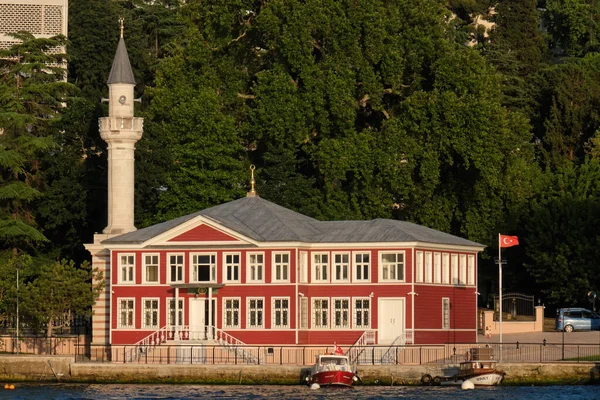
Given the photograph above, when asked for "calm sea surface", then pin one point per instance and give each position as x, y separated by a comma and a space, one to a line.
84, 391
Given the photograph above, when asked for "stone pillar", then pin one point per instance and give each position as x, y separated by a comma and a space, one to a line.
539, 319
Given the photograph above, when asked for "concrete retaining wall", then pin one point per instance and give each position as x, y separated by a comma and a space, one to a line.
37, 368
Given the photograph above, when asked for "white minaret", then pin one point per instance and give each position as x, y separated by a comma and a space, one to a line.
120, 130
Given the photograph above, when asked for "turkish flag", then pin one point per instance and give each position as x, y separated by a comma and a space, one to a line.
508, 241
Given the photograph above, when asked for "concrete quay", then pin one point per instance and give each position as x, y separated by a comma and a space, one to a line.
26, 368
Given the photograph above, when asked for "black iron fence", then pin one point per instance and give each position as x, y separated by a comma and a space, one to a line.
305, 355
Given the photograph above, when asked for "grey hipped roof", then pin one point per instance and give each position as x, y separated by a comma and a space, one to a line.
121, 71
263, 221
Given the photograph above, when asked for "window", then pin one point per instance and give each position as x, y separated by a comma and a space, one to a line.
341, 313
341, 267
281, 312
281, 267
471, 270
437, 268
320, 267
255, 267
454, 268
231, 312
362, 266
126, 313
419, 267
255, 313
392, 266
173, 312
127, 268
320, 313
150, 320
445, 313
428, 267
175, 267
445, 268
303, 313
151, 268
303, 267
463, 269
361, 313
231, 268
204, 268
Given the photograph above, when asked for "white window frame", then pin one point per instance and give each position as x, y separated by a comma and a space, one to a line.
320, 268
428, 267
454, 269
340, 268
303, 313
145, 266
419, 266
178, 266
303, 266
154, 311
255, 307
445, 268
343, 322
361, 268
280, 307
171, 311
284, 268
258, 266
384, 265
235, 312
463, 269
320, 313
211, 265
471, 269
129, 268
365, 313
234, 265
445, 313
130, 313
437, 267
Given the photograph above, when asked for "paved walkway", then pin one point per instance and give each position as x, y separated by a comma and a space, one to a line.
591, 337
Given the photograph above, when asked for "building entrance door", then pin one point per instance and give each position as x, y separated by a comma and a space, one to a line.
391, 320
199, 320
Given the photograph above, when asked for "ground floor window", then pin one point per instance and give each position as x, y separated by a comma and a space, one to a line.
150, 314
172, 312
255, 313
126, 312
281, 312
362, 308
341, 313
232, 313
320, 313
445, 313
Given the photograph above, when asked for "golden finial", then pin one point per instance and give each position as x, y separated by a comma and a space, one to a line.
252, 192
121, 21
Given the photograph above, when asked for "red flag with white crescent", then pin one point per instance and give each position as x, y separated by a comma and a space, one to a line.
508, 241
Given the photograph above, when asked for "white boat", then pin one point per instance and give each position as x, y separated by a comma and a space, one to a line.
479, 368
332, 370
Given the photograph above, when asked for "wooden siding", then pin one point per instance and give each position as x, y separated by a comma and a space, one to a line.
203, 233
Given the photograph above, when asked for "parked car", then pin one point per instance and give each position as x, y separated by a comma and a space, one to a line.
576, 319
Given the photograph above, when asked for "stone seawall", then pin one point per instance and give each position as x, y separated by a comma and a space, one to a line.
63, 369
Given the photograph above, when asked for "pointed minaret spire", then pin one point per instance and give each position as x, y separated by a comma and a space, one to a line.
121, 130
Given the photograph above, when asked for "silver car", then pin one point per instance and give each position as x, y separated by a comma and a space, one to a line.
576, 319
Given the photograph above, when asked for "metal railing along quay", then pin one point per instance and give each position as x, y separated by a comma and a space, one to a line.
364, 355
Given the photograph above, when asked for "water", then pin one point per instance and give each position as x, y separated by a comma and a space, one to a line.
156, 392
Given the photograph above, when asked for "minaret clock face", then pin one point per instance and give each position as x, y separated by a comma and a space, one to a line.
122, 99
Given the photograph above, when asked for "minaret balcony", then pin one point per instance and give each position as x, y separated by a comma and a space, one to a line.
119, 126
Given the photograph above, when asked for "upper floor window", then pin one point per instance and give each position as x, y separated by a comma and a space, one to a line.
419, 267
256, 312
175, 267
204, 268
126, 313
341, 267
362, 266
428, 267
471, 270
231, 267
445, 268
150, 319
454, 268
437, 268
281, 312
320, 267
151, 268
127, 268
281, 267
463, 269
254, 272
392, 267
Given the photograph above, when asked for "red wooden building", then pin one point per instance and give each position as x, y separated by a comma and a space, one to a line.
267, 275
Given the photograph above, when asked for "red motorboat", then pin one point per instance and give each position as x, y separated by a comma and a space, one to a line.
332, 370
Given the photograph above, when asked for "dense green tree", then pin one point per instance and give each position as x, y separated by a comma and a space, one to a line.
573, 25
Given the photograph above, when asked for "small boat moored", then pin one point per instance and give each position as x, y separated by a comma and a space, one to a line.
479, 368
332, 370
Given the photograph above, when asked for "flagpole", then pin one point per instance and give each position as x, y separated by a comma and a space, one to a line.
500, 290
